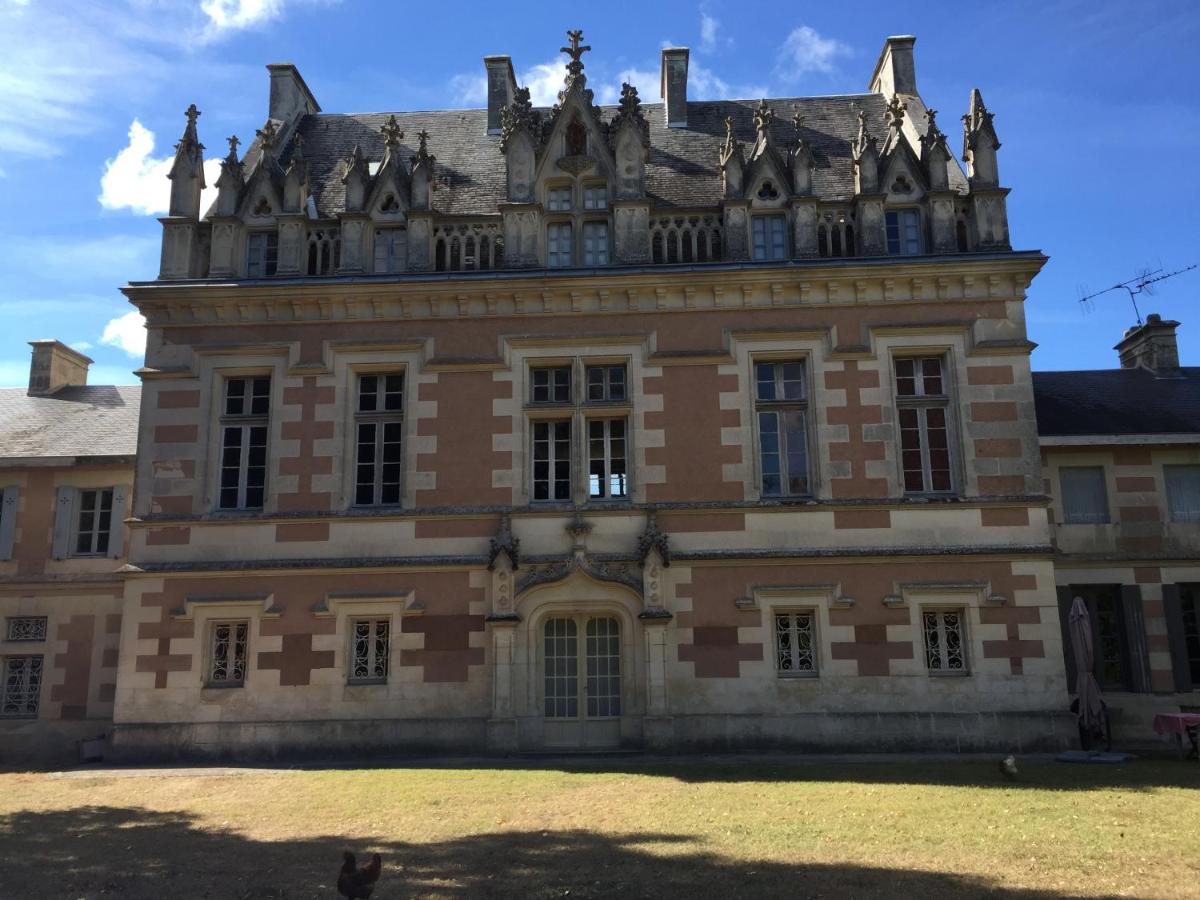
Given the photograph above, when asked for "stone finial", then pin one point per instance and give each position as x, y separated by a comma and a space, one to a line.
732, 145
980, 144
763, 117
504, 542
865, 140
187, 170
233, 145
798, 125
518, 116
654, 538
297, 148
392, 135
575, 51
896, 109
423, 156
267, 135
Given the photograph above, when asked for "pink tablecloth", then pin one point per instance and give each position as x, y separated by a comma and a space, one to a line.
1175, 723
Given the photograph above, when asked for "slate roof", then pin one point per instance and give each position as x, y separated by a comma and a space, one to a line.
683, 168
1117, 401
96, 420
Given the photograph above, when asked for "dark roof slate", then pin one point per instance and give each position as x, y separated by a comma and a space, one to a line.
683, 169
95, 420
1117, 401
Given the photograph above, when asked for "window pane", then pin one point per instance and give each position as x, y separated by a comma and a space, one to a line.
906, 381
595, 243
795, 441
235, 396
1183, 492
368, 391
1085, 500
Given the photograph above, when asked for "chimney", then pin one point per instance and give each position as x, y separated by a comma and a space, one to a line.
895, 73
501, 88
1151, 346
290, 96
673, 85
55, 366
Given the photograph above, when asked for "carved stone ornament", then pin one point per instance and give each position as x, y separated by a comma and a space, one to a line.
654, 538
423, 157
865, 140
629, 112
732, 145
896, 109
392, 135
504, 542
519, 116
267, 135
763, 117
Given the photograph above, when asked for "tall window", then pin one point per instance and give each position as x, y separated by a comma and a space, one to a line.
595, 243
944, 652
379, 429
903, 232
370, 642
781, 407
391, 250
262, 253
1113, 665
770, 237
227, 654
795, 643
1189, 603
1085, 501
244, 423
324, 251
605, 433
923, 402
22, 687
93, 523
558, 244
1183, 492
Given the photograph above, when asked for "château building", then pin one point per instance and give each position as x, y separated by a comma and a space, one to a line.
671, 425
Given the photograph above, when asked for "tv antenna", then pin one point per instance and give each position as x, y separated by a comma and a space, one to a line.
1140, 284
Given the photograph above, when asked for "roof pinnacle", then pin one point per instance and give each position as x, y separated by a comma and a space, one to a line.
392, 135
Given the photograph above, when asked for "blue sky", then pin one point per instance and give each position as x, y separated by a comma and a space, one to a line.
1095, 103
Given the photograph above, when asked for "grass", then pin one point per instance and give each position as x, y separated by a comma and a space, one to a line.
737, 828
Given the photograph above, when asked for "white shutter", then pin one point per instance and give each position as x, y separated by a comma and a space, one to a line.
116, 533
8, 520
64, 521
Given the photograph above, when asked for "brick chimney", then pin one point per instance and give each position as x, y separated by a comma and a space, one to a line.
1151, 346
55, 366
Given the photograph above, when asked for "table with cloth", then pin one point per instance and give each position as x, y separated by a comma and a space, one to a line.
1179, 724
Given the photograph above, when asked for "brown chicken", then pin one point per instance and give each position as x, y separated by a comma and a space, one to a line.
358, 883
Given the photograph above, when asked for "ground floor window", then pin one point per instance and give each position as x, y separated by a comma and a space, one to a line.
944, 650
370, 647
26, 628
22, 686
227, 658
1114, 663
597, 658
795, 644
1189, 604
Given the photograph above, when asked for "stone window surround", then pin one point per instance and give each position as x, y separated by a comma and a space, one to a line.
379, 418
808, 404
245, 420
964, 636
786, 609
922, 227
576, 216
206, 611
348, 608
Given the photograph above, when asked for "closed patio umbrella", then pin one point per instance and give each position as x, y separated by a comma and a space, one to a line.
1091, 709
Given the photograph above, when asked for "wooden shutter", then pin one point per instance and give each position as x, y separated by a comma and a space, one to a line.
1135, 638
1065, 598
8, 520
64, 521
1173, 612
120, 509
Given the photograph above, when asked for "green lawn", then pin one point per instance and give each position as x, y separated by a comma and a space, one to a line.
738, 828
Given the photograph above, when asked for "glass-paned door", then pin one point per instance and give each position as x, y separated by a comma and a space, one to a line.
581, 681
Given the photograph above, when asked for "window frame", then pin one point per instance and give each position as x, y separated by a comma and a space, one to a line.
396, 236
373, 622
923, 402
96, 531
1189, 517
210, 655
591, 256
269, 260
939, 611
778, 407
768, 220
36, 635
380, 419
1069, 518
35, 665
904, 214
245, 421
791, 612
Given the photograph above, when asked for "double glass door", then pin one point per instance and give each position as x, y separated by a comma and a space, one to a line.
581, 681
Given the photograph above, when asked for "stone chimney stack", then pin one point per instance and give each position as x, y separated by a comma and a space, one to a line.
290, 96
1151, 346
673, 84
895, 73
55, 366
501, 88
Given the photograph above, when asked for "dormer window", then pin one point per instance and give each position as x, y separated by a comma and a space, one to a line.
595, 243
391, 250
558, 199
558, 244
595, 197
262, 254
324, 251
903, 232
770, 237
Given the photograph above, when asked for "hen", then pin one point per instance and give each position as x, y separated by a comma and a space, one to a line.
357, 883
1008, 767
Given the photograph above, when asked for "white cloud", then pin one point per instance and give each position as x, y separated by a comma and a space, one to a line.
469, 89
82, 346
545, 81
709, 26
128, 332
804, 51
645, 80
236, 14
137, 180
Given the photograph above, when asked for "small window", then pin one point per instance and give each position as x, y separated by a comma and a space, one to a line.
324, 251
781, 411
369, 650
795, 643
903, 232
605, 384
22, 688
1085, 501
93, 522
595, 243
558, 199
1183, 492
552, 460
227, 656
379, 432
25, 628
391, 250
558, 245
770, 237
944, 646
595, 197
606, 460
923, 412
551, 385
243, 475
262, 254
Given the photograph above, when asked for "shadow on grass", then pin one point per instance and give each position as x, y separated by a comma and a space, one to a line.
102, 851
